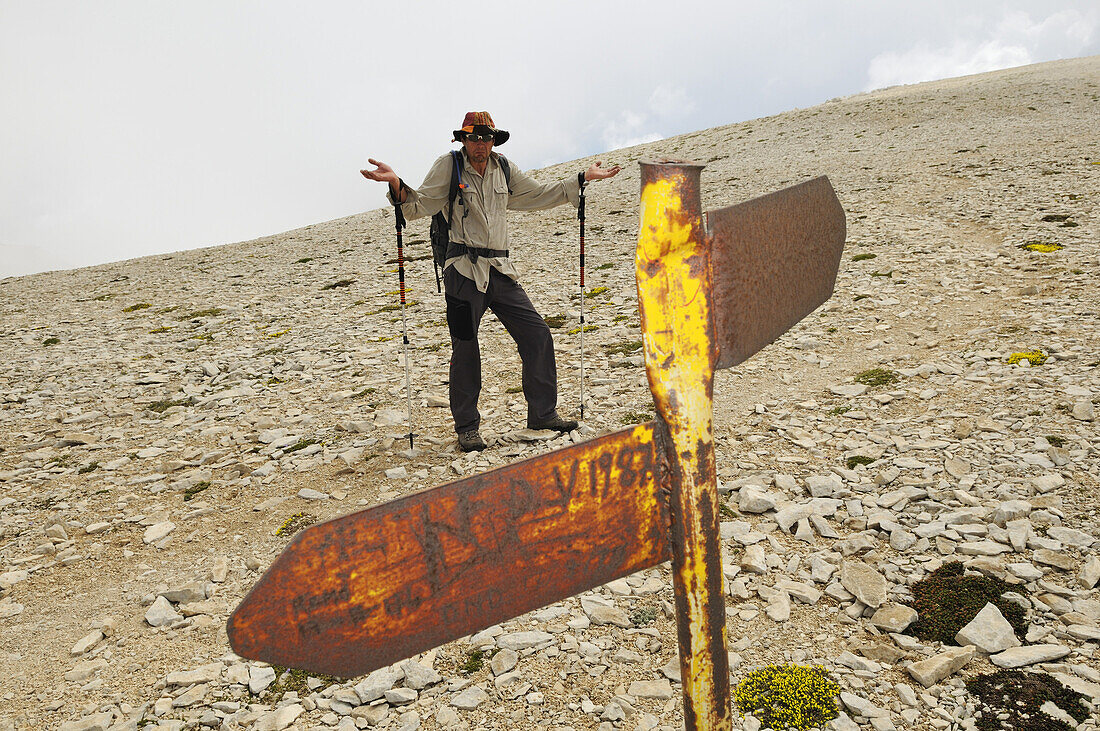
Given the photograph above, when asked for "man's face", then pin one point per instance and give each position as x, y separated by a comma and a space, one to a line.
478, 151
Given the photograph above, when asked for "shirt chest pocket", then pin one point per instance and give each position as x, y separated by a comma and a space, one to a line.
498, 200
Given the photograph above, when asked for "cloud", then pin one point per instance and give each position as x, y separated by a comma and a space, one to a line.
664, 107
1016, 40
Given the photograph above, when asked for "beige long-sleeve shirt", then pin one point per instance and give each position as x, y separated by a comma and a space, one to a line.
481, 223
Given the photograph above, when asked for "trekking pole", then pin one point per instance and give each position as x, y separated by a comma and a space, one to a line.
400, 222
580, 215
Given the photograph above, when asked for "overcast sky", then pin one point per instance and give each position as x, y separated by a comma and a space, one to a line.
135, 128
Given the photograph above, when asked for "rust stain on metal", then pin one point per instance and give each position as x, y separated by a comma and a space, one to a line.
774, 259
675, 300
367, 589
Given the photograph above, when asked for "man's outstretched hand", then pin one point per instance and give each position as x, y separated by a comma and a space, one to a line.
383, 173
596, 172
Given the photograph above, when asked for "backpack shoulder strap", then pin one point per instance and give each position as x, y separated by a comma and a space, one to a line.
456, 179
507, 171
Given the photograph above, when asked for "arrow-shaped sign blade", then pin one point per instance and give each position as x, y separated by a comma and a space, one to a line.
362, 591
774, 259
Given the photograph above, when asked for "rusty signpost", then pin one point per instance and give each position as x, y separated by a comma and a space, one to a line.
365, 590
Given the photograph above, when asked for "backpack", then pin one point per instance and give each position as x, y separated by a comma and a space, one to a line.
440, 230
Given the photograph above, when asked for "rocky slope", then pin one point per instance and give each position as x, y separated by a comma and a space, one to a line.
166, 422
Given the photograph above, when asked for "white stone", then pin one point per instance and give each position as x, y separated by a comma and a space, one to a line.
989, 631
158, 531
939, 667
470, 698
1017, 657
864, 582
161, 612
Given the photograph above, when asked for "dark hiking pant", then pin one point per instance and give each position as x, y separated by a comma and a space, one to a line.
508, 301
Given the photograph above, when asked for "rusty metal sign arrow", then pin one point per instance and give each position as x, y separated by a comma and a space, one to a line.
362, 591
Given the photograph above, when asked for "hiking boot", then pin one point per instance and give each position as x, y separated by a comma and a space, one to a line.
555, 423
470, 441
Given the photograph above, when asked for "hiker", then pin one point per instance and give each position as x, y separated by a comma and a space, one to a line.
478, 273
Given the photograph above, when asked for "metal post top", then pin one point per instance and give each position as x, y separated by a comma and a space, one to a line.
672, 163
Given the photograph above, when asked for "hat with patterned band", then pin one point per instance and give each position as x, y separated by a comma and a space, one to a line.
482, 124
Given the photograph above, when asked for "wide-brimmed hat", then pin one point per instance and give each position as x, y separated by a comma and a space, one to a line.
482, 124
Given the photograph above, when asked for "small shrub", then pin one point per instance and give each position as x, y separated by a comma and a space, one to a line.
198, 314
301, 444
338, 283
789, 696
1054, 440
634, 417
877, 377
1034, 357
138, 306
90, 467
304, 260
293, 679
595, 292
608, 265
161, 406
863, 257
514, 389
51, 341
1041, 247
555, 321
857, 460
623, 348
295, 523
195, 490
1010, 701
162, 329
840, 410
587, 329
475, 660
946, 601
642, 616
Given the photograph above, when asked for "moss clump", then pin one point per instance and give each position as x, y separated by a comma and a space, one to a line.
863, 257
608, 265
946, 601
587, 329
840, 410
295, 523
338, 283
514, 389
1034, 357
595, 292
162, 329
623, 348
1011, 699
857, 460
1054, 440
195, 490
304, 260
90, 467
51, 341
877, 377
278, 334
138, 306
1041, 247
789, 696
555, 321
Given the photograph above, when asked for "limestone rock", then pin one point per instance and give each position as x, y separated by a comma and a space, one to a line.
939, 667
989, 631
864, 582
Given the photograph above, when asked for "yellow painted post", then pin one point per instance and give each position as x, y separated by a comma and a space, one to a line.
674, 296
